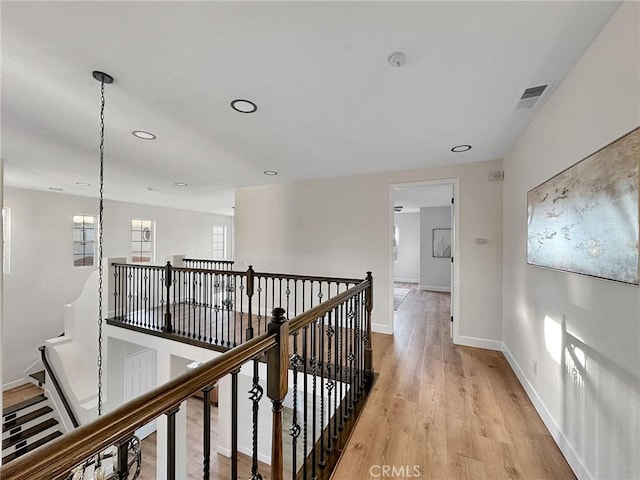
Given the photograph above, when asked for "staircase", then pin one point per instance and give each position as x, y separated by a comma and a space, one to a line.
29, 424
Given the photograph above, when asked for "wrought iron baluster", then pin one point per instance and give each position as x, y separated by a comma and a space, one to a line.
234, 424
322, 363
305, 406
255, 395
171, 443
206, 432
294, 430
314, 373
330, 384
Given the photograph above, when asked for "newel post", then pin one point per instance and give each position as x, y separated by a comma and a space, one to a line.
168, 326
368, 352
250, 272
277, 386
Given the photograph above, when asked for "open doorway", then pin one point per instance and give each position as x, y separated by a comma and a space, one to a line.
423, 243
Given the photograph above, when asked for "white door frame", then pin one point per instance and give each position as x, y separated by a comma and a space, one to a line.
455, 229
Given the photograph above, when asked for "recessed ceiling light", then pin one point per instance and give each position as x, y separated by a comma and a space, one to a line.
56, 189
461, 148
83, 184
243, 106
270, 172
143, 135
180, 184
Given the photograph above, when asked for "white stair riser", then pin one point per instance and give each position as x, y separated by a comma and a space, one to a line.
27, 425
31, 440
26, 410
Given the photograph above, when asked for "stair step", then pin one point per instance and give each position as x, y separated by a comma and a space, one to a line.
30, 447
24, 435
38, 377
11, 412
23, 420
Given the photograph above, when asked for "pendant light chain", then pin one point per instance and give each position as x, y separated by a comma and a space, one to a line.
100, 252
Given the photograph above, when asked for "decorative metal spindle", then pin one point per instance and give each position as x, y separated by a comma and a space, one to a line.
241, 305
234, 424
255, 395
206, 432
351, 355
329, 382
305, 417
314, 396
342, 356
216, 306
295, 363
336, 366
171, 443
322, 386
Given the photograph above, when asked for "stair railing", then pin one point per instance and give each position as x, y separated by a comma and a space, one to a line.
327, 347
216, 309
56, 384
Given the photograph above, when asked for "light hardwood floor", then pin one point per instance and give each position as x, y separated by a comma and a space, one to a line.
19, 394
451, 412
439, 411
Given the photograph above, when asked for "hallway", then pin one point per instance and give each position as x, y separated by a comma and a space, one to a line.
439, 411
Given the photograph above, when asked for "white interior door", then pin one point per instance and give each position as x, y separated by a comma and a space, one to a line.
139, 378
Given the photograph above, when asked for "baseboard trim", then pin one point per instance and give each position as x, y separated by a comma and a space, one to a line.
379, 328
14, 384
563, 443
406, 280
478, 343
431, 288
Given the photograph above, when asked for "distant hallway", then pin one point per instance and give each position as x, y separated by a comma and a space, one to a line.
440, 411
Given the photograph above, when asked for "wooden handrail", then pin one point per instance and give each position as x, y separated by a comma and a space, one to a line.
56, 459
314, 313
284, 276
58, 387
291, 276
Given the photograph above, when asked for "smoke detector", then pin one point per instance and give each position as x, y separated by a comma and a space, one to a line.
397, 59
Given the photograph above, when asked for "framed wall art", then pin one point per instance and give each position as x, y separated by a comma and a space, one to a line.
585, 219
441, 243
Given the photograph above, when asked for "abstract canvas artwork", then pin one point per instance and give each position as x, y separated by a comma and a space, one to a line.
442, 242
585, 219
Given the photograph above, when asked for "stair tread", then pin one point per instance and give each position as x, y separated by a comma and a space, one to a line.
38, 377
28, 448
23, 404
16, 422
29, 432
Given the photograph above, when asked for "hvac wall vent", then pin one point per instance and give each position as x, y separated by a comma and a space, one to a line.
531, 96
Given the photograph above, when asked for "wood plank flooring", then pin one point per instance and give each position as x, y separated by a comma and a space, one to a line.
440, 411
19, 394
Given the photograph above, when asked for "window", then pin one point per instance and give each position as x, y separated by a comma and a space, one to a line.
142, 241
84, 240
6, 239
219, 242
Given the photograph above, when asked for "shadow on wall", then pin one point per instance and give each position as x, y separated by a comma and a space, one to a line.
592, 387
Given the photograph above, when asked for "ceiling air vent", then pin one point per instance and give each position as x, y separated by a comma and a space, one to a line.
398, 208
531, 96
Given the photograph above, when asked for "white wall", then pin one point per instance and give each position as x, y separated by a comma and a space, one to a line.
342, 227
591, 405
407, 268
435, 273
43, 278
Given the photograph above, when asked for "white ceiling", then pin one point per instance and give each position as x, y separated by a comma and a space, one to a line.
328, 102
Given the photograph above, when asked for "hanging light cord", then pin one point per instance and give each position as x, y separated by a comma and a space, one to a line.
100, 223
